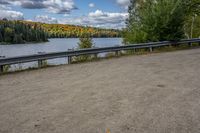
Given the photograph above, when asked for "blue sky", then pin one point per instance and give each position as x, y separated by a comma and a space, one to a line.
98, 13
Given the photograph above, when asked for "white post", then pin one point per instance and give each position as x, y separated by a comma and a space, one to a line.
151, 49
69, 59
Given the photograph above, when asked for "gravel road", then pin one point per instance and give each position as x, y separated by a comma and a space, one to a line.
156, 93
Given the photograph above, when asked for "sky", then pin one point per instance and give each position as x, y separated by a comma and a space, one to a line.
97, 13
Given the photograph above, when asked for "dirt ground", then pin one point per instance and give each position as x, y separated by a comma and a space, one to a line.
157, 93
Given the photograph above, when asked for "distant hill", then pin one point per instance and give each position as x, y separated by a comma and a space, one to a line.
73, 31
25, 31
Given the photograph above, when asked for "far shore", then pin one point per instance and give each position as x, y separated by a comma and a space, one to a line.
7, 43
37, 42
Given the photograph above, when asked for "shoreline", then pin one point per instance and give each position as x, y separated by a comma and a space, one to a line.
108, 56
4, 43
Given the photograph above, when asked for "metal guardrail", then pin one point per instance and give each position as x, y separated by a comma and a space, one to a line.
45, 56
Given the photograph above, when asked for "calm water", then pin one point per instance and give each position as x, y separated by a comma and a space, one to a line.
54, 45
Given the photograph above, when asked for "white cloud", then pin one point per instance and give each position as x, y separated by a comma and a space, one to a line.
53, 6
59, 6
8, 13
123, 3
97, 13
91, 5
4, 7
99, 19
11, 15
46, 19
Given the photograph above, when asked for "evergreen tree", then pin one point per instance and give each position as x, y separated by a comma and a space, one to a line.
17, 39
84, 43
8, 34
20, 32
1, 37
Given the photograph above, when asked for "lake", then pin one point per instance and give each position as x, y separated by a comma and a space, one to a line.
54, 45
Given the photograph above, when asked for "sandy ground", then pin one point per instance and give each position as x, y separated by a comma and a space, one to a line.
157, 93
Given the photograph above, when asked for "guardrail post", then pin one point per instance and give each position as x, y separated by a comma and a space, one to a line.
199, 43
95, 56
40, 63
116, 53
134, 50
1, 69
151, 49
69, 59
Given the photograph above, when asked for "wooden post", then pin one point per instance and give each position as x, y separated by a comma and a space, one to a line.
40, 63
151, 49
199, 43
1, 69
69, 59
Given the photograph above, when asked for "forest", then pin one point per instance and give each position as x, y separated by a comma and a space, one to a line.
73, 31
161, 20
17, 32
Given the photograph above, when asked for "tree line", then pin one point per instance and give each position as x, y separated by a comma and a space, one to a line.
17, 32
75, 31
160, 20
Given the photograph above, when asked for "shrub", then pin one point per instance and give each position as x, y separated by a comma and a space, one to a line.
84, 43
